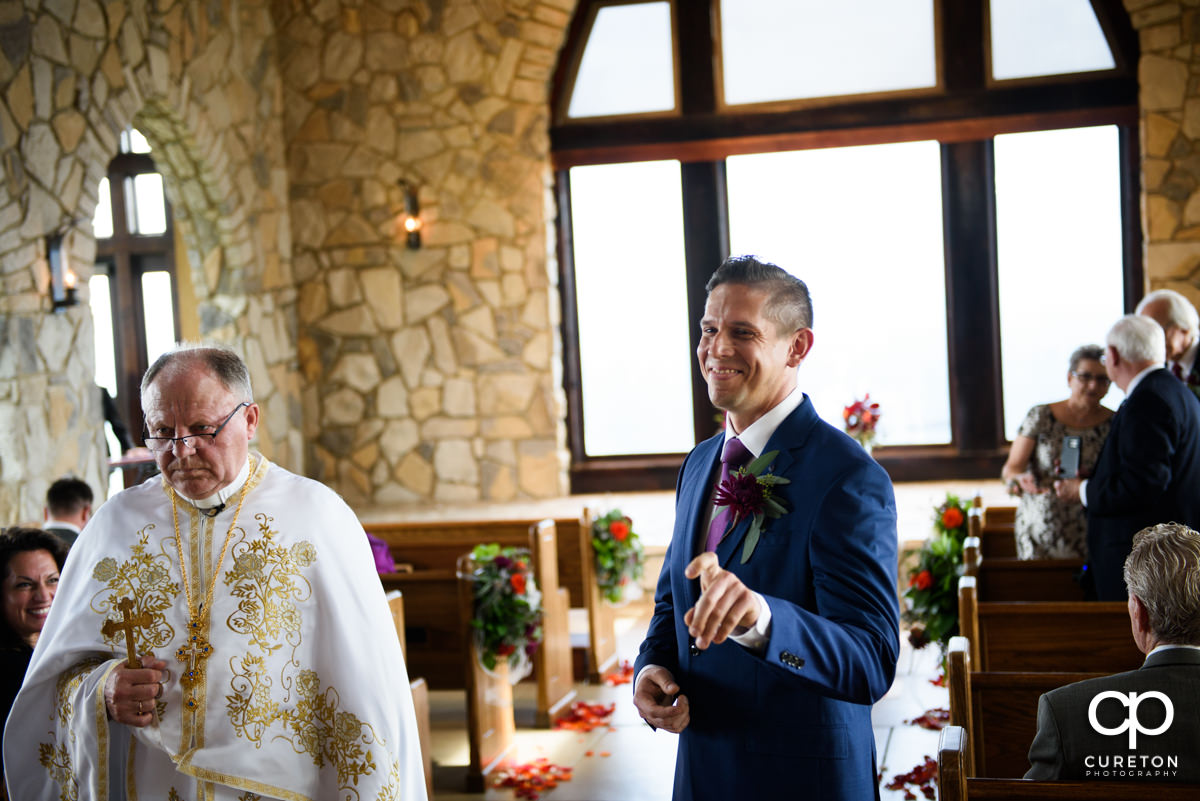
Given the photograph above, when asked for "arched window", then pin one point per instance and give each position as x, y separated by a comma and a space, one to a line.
957, 182
134, 296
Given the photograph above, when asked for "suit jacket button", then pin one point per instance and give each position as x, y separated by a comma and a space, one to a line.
693, 650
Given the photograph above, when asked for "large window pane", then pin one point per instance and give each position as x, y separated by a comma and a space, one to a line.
1046, 37
862, 226
159, 313
102, 323
788, 49
628, 63
634, 342
1058, 221
146, 204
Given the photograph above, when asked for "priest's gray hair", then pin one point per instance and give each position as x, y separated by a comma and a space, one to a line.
789, 305
220, 360
1138, 339
1180, 312
1163, 570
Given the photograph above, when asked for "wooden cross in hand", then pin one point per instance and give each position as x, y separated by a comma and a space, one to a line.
127, 624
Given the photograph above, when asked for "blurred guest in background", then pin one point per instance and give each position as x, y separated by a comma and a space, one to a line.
1046, 527
68, 508
1181, 326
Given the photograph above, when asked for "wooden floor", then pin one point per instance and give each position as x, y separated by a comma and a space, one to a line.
632, 763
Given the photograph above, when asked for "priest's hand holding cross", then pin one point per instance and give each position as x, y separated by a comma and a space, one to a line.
132, 687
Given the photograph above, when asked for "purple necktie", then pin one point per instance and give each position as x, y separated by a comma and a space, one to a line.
734, 456
1177, 369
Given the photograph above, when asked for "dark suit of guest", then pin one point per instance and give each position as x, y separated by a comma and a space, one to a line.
795, 720
1065, 738
67, 535
1148, 472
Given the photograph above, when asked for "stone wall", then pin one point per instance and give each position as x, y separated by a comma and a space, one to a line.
1169, 76
430, 374
201, 81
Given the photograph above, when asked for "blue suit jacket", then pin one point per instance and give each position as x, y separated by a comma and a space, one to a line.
1148, 472
796, 720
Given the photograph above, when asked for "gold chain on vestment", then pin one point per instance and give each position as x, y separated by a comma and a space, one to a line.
197, 649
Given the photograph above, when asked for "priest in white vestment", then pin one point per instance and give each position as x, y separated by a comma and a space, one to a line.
266, 661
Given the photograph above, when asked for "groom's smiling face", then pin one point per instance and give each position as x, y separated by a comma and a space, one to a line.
748, 364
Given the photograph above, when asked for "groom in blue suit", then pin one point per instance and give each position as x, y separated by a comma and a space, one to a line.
765, 653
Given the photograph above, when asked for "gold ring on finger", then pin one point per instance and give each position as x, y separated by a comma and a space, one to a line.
139, 707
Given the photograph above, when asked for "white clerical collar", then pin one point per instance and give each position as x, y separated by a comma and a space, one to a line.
758, 434
1188, 359
1137, 379
217, 499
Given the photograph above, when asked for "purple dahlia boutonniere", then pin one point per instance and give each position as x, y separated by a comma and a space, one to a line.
749, 492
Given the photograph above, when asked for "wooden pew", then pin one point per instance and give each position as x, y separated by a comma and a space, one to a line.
955, 784
1046, 635
491, 724
423, 546
998, 710
1011, 579
420, 693
438, 630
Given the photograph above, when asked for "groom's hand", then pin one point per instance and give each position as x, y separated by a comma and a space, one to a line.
658, 700
725, 602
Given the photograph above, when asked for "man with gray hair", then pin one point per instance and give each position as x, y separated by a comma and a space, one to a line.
220, 632
1149, 467
1181, 325
1083, 726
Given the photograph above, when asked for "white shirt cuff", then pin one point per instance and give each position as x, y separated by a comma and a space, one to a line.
1083, 492
757, 636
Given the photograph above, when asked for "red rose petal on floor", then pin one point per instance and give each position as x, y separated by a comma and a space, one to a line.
622, 675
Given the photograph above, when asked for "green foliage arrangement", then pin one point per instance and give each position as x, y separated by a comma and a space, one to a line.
619, 556
508, 608
932, 594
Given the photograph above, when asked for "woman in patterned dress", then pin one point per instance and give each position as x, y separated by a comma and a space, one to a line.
1047, 528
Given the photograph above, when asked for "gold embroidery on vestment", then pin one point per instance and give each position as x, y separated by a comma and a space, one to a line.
58, 763
145, 577
69, 682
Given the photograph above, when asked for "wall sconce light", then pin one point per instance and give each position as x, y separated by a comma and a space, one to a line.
411, 221
62, 277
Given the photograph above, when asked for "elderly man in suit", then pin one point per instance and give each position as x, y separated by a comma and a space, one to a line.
1140, 724
1149, 467
775, 624
1181, 326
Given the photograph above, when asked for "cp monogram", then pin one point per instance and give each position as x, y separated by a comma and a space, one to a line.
1131, 723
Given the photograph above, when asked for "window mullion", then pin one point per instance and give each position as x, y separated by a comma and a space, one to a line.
972, 297
706, 244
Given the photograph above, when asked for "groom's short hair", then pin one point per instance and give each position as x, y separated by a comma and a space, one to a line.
789, 305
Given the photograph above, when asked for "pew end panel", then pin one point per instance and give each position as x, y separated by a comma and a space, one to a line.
491, 725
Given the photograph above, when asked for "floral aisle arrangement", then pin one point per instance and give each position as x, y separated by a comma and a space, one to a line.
619, 556
860, 418
932, 594
507, 618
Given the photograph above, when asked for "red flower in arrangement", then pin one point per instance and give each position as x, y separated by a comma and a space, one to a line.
861, 416
922, 580
518, 583
952, 517
619, 529
505, 648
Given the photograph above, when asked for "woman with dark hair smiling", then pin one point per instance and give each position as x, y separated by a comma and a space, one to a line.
30, 561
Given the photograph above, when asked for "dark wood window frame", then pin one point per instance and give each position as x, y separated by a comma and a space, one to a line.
962, 114
124, 257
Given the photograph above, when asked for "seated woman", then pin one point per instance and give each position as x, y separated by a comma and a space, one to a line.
30, 561
1047, 528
